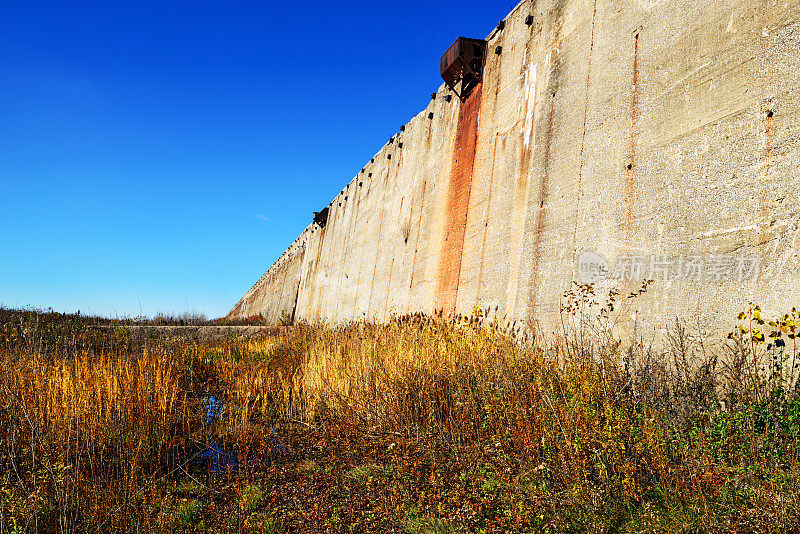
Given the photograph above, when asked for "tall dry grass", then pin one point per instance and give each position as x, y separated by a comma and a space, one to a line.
94, 422
614, 431
83, 432
605, 434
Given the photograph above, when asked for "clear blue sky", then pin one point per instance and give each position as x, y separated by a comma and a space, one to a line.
158, 156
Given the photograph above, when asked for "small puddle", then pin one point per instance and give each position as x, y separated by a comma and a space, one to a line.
214, 409
217, 457
276, 445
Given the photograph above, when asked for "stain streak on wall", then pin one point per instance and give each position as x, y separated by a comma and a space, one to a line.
486, 222
630, 168
583, 139
540, 212
416, 244
458, 195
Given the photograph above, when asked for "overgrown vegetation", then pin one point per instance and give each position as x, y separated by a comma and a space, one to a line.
418, 425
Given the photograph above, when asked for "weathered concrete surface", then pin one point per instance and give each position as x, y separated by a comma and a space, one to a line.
275, 294
624, 126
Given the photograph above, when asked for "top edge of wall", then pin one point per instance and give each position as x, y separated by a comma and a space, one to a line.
443, 86
419, 116
510, 14
284, 255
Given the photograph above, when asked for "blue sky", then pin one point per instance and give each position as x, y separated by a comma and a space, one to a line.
159, 156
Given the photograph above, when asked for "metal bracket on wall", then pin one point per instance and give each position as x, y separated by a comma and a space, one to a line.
463, 62
321, 217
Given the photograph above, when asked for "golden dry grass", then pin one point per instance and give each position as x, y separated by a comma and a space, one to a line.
99, 428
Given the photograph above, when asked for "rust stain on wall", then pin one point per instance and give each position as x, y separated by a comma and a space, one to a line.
458, 193
767, 193
630, 168
769, 142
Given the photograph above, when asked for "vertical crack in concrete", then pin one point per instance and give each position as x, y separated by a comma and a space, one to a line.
375, 265
338, 294
377, 246
388, 290
391, 269
299, 280
583, 144
360, 264
284, 268
537, 251
316, 267
519, 216
486, 222
416, 246
458, 195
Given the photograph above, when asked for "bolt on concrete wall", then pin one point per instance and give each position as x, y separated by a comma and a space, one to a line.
626, 127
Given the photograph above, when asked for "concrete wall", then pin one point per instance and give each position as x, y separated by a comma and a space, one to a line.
623, 126
275, 294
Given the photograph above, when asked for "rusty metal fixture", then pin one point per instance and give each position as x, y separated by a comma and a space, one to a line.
321, 217
463, 62
529, 20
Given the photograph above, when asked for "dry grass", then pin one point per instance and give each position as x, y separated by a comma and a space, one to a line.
588, 433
